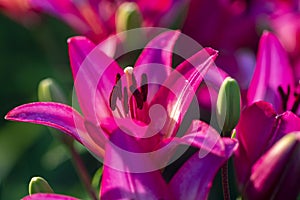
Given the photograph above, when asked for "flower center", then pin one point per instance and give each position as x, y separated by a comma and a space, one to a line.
285, 97
130, 97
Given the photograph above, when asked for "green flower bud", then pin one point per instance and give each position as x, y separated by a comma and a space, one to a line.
49, 90
128, 17
39, 185
228, 106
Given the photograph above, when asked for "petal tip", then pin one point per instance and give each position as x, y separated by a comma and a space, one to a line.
75, 39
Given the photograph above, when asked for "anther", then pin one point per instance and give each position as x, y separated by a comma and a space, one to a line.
144, 87
118, 86
284, 96
137, 96
115, 93
125, 101
113, 99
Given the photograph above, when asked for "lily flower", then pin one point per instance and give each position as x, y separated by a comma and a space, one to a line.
266, 160
260, 129
131, 118
273, 79
96, 19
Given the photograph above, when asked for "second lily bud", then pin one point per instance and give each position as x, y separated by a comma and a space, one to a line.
228, 106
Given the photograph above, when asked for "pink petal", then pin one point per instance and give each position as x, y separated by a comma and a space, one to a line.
126, 174
56, 115
258, 129
95, 78
207, 95
179, 89
277, 172
272, 70
63, 9
194, 179
156, 61
82, 16
79, 48
61, 117
199, 135
44, 196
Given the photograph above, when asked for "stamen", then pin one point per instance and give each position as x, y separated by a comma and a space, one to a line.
115, 93
118, 85
113, 99
137, 96
284, 96
144, 87
297, 102
125, 101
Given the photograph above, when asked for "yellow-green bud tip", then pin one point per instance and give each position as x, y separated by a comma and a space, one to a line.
128, 16
39, 185
49, 90
228, 106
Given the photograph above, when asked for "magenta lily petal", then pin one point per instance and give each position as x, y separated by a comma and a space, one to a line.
161, 6
79, 48
184, 82
63, 118
199, 135
277, 171
64, 9
80, 15
207, 139
94, 79
156, 60
125, 176
272, 70
201, 170
207, 94
258, 129
44, 196
56, 115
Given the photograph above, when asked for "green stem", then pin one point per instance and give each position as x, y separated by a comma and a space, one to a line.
82, 172
225, 183
224, 174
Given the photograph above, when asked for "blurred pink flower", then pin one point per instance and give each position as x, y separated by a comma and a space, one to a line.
230, 27
96, 18
273, 80
266, 164
19, 10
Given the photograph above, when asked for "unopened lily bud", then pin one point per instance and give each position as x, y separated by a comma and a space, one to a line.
39, 185
128, 16
49, 90
228, 106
